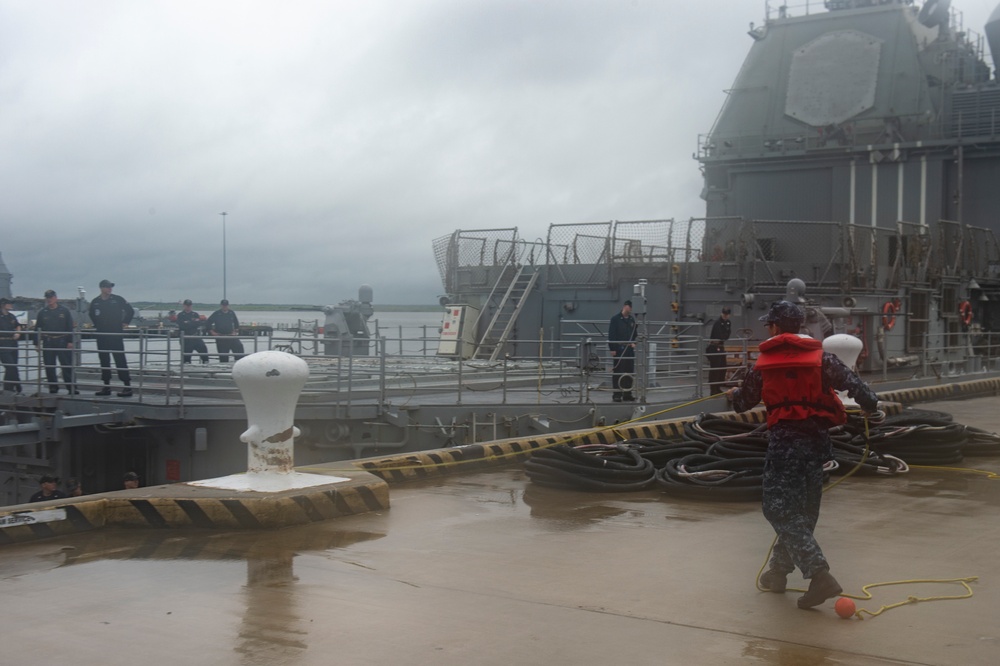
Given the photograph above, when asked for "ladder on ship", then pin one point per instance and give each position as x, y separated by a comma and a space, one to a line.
498, 332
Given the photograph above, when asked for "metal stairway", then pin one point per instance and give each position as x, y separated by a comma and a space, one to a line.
495, 336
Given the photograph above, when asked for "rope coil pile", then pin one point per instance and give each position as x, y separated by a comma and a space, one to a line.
723, 459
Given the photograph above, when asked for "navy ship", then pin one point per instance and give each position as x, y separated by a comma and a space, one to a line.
852, 168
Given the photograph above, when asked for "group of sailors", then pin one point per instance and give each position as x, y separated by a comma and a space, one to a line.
622, 333
110, 313
223, 325
48, 487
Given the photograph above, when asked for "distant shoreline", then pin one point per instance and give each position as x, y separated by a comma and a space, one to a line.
148, 305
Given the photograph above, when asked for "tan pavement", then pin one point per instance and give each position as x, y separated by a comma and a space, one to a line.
484, 568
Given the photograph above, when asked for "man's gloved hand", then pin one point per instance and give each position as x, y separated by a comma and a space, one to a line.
876, 417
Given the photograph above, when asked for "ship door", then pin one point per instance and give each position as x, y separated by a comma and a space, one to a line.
106, 460
917, 320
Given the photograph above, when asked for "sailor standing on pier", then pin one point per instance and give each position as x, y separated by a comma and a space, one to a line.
797, 381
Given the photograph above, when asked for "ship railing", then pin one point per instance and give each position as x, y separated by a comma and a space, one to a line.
644, 241
966, 250
153, 360
572, 365
781, 9
670, 356
877, 136
851, 258
467, 255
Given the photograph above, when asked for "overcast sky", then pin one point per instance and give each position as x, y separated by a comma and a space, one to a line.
341, 137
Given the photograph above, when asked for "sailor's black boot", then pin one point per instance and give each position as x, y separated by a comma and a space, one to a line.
773, 581
822, 586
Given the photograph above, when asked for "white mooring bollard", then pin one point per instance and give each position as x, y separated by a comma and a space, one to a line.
270, 383
847, 348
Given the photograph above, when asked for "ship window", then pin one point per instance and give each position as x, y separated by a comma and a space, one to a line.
949, 301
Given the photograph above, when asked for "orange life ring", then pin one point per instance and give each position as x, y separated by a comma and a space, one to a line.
965, 312
888, 315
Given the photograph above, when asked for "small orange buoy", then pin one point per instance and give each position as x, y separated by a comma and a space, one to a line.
845, 608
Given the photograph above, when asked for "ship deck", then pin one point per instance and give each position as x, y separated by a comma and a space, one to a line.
484, 568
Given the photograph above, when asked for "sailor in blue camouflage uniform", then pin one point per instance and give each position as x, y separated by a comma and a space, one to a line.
797, 381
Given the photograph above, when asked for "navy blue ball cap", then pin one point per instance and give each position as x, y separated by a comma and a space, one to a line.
784, 313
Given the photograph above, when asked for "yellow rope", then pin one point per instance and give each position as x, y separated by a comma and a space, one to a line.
988, 474
964, 582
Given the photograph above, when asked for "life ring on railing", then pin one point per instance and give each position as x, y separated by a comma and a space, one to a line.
889, 315
965, 312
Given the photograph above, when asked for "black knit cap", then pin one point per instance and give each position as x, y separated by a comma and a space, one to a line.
785, 314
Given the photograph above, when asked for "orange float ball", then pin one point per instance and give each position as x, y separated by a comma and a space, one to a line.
845, 607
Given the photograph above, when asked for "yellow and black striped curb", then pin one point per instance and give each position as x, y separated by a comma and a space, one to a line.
184, 506
956, 391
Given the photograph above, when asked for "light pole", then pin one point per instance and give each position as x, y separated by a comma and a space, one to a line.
223, 214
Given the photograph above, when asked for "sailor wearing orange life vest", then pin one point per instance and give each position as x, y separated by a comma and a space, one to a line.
797, 381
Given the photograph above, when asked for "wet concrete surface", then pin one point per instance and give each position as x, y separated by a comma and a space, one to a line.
485, 568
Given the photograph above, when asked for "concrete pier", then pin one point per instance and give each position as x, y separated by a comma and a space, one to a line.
482, 567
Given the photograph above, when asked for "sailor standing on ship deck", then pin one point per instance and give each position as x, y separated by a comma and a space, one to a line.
224, 325
797, 381
110, 313
190, 324
54, 324
716, 351
621, 341
10, 334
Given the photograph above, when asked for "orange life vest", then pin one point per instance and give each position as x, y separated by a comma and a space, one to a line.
792, 368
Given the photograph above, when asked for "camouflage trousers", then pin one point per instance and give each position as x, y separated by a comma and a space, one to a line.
793, 488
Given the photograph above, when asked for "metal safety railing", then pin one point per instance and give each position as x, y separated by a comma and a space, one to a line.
574, 366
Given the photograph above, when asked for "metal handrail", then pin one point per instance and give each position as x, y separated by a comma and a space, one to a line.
674, 361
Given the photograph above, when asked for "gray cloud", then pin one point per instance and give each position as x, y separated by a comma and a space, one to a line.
340, 137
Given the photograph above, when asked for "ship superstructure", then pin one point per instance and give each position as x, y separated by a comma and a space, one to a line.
857, 152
